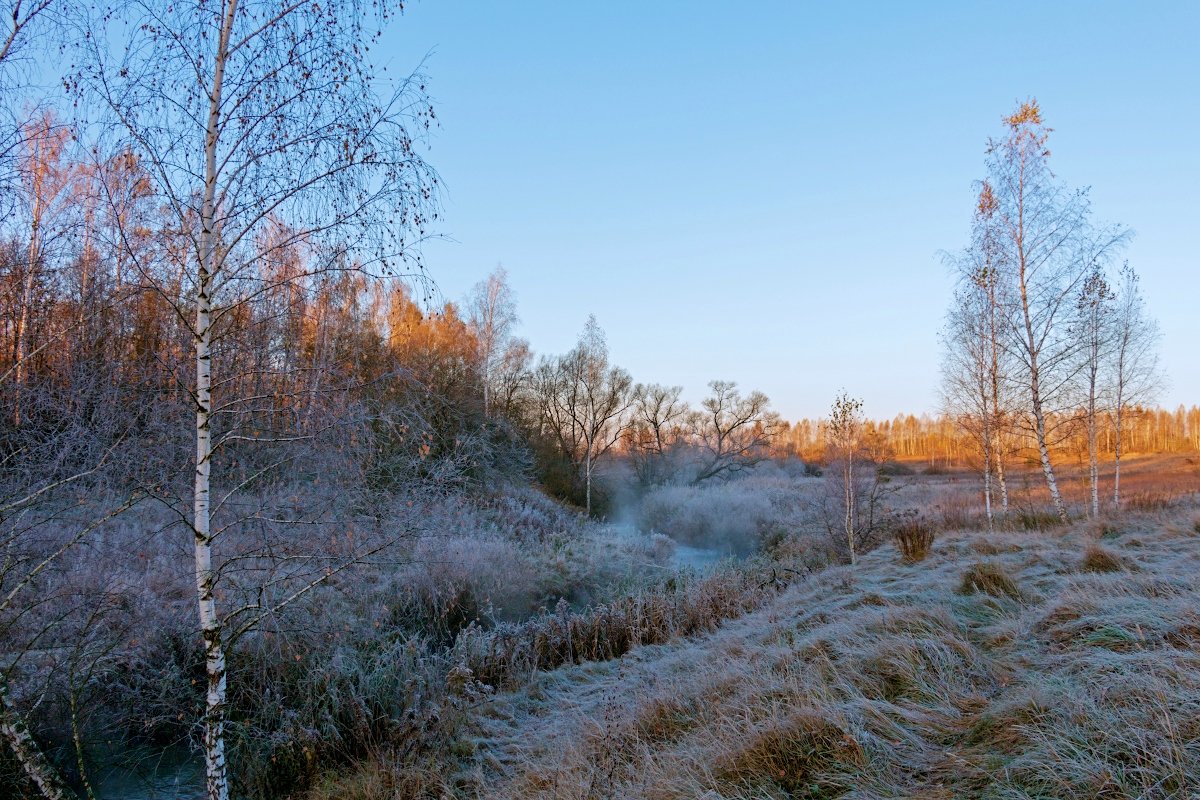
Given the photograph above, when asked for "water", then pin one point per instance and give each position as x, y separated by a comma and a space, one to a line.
700, 559
176, 773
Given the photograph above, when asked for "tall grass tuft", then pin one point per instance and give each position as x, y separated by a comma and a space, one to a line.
914, 539
989, 577
1097, 558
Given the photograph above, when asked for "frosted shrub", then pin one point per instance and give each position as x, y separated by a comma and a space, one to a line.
736, 516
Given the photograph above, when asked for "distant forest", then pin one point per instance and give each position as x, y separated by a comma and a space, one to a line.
941, 439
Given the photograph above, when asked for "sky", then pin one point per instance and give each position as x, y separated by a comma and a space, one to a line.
763, 192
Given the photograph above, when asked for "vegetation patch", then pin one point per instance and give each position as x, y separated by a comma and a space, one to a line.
1111, 637
664, 719
989, 577
1097, 558
1037, 520
914, 539
805, 754
1150, 500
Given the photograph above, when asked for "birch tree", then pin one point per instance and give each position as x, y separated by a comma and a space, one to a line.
492, 314
1136, 376
249, 114
47, 179
1094, 329
30, 28
976, 372
844, 439
966, 394
1047, 243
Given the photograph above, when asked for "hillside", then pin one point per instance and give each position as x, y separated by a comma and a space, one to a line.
1057, 664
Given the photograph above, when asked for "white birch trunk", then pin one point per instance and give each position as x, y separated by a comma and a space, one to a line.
1093, 456
1001, 480
850, 506
211, 627
1035, 396
206, 576
27, 286
987, 479
27, 753
1117, 453
587, 472
1047, 467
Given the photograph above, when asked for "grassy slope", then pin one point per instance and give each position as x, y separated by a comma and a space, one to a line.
933, 680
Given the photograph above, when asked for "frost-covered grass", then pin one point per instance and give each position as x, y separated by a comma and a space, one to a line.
505, 647
357, 664
1050, 664
736, 516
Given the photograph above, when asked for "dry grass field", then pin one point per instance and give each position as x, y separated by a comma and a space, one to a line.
1059, 664
1047, 664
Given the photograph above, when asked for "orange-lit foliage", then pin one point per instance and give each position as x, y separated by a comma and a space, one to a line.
90, 287
940, 440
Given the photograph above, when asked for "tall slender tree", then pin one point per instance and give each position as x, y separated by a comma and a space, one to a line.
1136, 375
492, 314
1095, 332
976, 372
253, 116
843, 443
1047, 243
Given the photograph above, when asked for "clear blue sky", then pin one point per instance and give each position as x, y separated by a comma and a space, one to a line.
759, 191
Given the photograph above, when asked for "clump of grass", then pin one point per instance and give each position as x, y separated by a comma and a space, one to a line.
1034, 520
1150, 500
1005, 725
663, 719
1105, 530
991, 547
1111, 637
988, 577
1097, 558
681, 607
914, 539
799, 753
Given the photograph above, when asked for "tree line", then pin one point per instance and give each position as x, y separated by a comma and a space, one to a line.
941, 440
